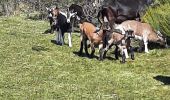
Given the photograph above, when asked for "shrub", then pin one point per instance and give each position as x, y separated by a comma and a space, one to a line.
159, 16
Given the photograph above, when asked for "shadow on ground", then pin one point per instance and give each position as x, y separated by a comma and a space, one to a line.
40, 48
48, 31
94, 57
164, 79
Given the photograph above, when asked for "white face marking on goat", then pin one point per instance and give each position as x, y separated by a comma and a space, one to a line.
50, 15
70, 15
160, 35
49, 12
162, 39
105, 19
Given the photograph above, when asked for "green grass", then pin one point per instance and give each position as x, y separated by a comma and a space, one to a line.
31, 67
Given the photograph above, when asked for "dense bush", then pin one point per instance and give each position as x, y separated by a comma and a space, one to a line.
159, 16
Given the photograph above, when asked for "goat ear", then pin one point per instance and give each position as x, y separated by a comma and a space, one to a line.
47, 8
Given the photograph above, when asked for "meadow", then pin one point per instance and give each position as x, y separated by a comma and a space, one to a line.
32, 67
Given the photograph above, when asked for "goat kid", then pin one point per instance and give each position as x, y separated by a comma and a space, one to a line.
88, 32
53, 27
143, 32
121, 42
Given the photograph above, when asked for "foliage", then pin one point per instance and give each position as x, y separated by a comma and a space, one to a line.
34, 68
159, 16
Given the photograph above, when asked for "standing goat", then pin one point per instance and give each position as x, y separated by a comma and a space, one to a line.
61, 21
143, 32
89, 32
121, 42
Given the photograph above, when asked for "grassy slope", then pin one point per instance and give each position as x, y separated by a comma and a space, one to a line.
31, 67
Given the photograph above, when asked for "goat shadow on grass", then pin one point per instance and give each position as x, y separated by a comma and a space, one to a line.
94, 57
57, 43
110, 58
40, 48
152, 45
164, 79
48, 31
54, 42
84, 55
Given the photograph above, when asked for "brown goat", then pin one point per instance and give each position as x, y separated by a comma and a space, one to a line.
121, 42
88, 32
143, 32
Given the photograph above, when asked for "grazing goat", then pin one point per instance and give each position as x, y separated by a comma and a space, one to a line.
121, 42
89, 32
143, 32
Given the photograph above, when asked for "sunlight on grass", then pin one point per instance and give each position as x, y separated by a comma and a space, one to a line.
34, 68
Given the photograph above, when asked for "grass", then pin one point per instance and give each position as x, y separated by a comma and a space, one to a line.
31, 67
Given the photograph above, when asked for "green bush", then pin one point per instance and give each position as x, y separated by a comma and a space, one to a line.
159, 16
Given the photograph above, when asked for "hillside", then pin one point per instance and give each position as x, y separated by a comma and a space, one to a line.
31, 67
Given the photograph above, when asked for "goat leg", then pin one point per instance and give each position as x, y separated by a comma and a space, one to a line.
52, 30
92, 50
101, 52
81, 48
69, 39
123, 56
58, 38
62, 38
146, 45
140, 46
86, 47
116, 52
132, 53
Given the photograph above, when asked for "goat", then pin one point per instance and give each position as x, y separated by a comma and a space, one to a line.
143, 32
88, 32
121, 42
62, 21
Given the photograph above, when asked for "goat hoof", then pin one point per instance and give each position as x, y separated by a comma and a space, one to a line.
80, 54
91, 56
100, 59
123, 62
116, 58
133, 58
88, 55
70, 46
58, 43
